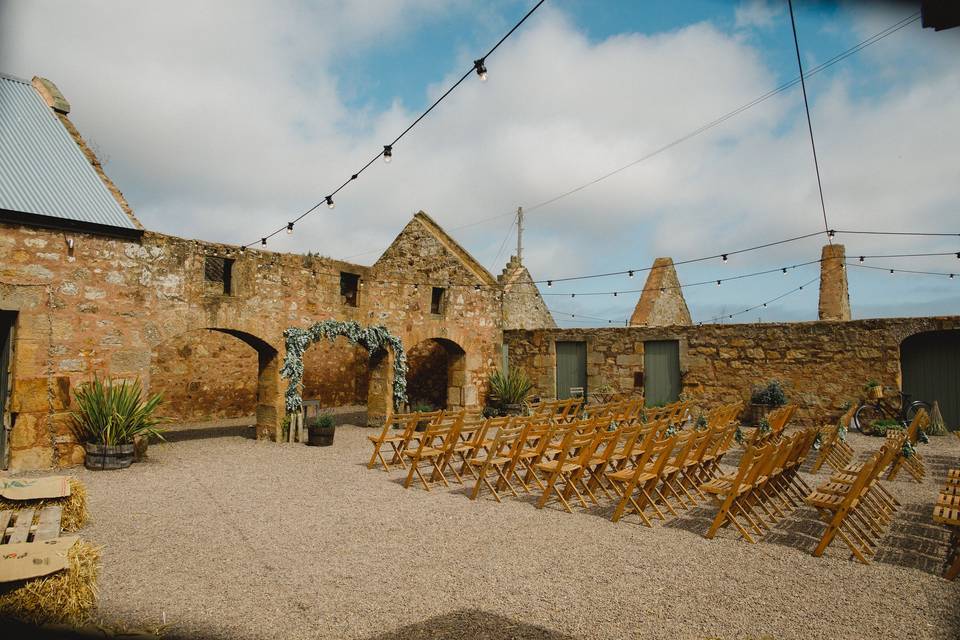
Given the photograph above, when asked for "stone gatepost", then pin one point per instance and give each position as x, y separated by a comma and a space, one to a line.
834, 295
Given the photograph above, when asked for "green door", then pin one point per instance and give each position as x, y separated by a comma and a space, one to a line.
930, 364
571, 368
661, 371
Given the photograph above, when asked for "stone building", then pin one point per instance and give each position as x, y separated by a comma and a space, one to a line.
85, 290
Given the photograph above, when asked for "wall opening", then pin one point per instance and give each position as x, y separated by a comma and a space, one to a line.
571, 370
436, 374
437, 300
8, 320
661, 372
930, 371
349, 289
218, 275
337, 374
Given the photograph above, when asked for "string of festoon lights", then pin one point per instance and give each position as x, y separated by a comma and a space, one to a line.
479, 67
877, 37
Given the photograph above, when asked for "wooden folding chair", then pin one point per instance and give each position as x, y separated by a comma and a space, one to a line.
471, 437
394, 433
567, 468
834, 509
638, 486
947, 512
498, 458
534, 441
909, 458
730, 494
434, 445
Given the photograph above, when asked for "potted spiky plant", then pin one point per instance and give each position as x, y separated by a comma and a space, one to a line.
320, 430
509, 393
110, 418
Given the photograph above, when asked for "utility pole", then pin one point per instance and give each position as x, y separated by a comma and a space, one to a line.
520, 235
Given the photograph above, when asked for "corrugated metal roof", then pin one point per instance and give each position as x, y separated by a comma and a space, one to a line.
42, 170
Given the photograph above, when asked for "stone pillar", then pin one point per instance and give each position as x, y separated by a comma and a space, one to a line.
834, 296
661, 304
380, 389
271, 404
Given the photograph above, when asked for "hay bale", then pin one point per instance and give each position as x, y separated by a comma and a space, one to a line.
67, 596
74, 506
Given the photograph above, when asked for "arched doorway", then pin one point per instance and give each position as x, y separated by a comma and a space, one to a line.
930, 370
436, 374
337, 374
213, 374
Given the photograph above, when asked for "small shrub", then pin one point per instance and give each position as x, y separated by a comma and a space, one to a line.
771, 395
512, 388
423, 407
881, 427
323, 421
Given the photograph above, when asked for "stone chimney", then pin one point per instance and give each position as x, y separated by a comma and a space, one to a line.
661, 304
51, 95
834, 296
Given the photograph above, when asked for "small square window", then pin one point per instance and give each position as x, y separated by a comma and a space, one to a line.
218, 271
349, 288
638, 379
436, 300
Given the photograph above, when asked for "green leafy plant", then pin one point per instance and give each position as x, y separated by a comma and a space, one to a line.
771, 395
701, 422
764, 426
322, 421
871, 384
112, 413
422, 407
881, 427
513, 388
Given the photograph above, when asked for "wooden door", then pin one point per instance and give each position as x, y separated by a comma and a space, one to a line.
571, 368
930, 367
661, 371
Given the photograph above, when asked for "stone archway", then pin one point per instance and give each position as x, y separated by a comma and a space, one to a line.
209, 369
437, 373
930, 370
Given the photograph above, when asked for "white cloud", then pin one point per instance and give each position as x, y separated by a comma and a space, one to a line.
757, 13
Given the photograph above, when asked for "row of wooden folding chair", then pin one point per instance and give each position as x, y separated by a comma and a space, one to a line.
908, 457
675, 412
558, 410
400, 430
766, 484
449, 440
855, 506
669, 467
834, 450
723, 414
947, 512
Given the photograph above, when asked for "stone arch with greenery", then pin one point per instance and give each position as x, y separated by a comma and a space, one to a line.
376, 339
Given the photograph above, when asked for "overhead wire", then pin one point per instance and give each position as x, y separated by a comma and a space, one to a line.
387, 150
880, 35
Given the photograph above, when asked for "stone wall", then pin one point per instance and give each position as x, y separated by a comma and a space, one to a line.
112, 307
823, 364
523, 306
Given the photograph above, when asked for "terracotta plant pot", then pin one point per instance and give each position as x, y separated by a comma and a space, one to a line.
102, 457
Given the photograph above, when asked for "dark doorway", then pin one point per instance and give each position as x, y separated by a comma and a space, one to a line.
930, 368
571, 369
661, 372
8, 320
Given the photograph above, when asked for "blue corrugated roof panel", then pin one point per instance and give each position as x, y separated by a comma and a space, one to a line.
42, 170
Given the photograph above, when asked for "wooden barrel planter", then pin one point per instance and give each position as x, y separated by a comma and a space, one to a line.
103, 457
758, 412
320, 436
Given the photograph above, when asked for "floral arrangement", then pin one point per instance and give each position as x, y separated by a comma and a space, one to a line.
375, 338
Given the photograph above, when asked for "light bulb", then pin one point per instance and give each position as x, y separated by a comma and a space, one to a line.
549, 283
784, 271
630, 274
263, 241
481, 69
289, 228
861, 259
330, 202
831, 233
724, 256
718, 283
387, 153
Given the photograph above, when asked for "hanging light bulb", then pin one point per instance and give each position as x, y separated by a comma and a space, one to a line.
387, 153
481, 69
764, 304
549, 283
801, 287
661, 289
891, 271
861, 259
416, 287
724, 256
476, 287
718, 283
263, 241
629, 274
831, 234
951, 276
330, 202
573, 295
614, 294
730, 316
289, 228
784, 271
958, 255
243, 248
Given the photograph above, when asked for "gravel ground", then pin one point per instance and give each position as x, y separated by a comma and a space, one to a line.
232, 538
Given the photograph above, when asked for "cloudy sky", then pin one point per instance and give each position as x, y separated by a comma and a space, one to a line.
223, 120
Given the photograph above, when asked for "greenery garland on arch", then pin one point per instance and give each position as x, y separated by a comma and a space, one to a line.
375, 338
